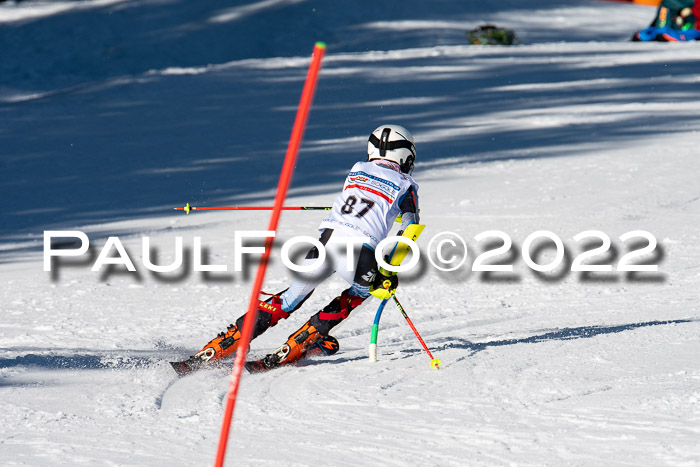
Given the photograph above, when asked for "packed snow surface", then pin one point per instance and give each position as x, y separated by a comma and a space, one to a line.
113, 112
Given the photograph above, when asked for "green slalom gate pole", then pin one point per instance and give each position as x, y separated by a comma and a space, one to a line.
375, 332
397, 255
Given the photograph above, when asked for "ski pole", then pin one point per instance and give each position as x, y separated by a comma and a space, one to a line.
187, 208
434, 362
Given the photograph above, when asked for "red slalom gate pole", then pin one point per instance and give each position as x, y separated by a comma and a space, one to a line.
285, 179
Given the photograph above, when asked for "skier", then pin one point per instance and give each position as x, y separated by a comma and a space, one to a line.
375, 192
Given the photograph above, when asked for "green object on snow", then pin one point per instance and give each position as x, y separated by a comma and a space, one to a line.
490, 34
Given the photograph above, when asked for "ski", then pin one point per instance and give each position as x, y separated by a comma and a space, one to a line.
185, 367
326, 346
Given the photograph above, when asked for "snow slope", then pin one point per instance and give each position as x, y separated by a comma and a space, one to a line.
113, 112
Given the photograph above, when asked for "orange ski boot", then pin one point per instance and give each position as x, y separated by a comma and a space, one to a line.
221, 346
269, 313
303, 343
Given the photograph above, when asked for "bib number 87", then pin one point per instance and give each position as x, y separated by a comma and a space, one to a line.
348, 207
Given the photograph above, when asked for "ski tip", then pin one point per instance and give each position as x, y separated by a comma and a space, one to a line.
320, 45
328, 345
181, 368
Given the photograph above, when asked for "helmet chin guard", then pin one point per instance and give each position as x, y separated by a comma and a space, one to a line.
392, 143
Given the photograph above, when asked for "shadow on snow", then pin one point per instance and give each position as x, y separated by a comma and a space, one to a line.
565, 334
137, 144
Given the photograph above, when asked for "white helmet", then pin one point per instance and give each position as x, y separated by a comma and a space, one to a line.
393, 143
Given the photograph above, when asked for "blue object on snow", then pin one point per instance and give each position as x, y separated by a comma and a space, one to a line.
653, 33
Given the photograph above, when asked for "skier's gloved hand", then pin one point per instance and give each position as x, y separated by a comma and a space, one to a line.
384, 284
